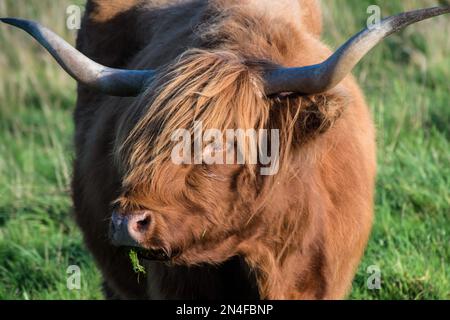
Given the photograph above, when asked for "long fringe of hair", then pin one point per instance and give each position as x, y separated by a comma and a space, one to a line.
215, 88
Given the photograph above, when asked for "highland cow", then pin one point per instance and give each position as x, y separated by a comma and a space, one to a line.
214, 231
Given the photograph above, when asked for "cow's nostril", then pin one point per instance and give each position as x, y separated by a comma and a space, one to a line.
142, 222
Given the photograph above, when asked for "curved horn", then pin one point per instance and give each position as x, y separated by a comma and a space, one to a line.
325, 76
114, 82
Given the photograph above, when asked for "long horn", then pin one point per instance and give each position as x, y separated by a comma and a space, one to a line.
114, 82
325, 76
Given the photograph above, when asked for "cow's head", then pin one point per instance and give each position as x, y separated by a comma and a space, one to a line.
177, 204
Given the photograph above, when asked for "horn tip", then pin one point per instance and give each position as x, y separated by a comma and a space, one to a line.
21, 23
8, 20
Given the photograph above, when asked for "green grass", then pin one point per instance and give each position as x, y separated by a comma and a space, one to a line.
407, 86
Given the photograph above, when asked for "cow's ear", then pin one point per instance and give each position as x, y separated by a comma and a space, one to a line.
310, 116
320, 112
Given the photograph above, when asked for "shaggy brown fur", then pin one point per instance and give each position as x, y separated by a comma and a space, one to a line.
231, 233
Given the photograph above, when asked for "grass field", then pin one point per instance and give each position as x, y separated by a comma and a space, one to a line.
407, 85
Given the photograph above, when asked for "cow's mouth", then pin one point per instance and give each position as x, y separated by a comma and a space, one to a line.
152, 254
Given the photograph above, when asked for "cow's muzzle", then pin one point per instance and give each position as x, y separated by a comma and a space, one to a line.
130, 231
